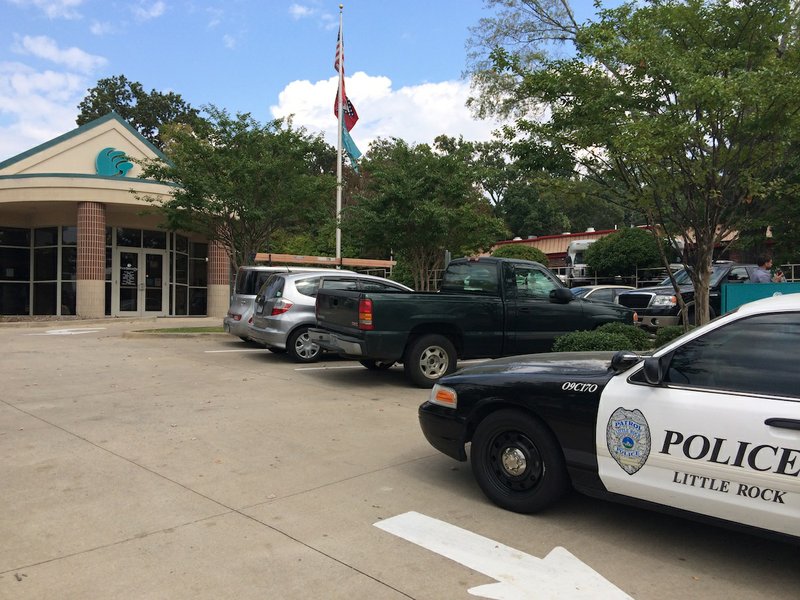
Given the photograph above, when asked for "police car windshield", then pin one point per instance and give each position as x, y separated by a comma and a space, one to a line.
682, 276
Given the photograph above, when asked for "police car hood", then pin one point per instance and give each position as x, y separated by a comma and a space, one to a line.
560, 365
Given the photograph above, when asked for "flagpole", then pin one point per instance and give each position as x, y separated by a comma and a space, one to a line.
340, 97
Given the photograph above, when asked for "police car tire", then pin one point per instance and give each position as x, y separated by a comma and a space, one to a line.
544, 478
431, 344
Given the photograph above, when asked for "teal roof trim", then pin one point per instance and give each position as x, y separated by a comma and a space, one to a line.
86, 127
87, 176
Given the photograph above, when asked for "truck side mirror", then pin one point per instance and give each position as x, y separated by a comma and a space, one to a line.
561, 295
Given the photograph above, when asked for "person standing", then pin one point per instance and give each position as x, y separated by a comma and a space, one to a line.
763, 274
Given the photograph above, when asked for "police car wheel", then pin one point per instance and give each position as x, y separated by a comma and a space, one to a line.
517, 462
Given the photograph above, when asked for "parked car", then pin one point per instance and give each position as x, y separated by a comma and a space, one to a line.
600, 293
658, 307
249, 280
284, 308
487, 307
643, 430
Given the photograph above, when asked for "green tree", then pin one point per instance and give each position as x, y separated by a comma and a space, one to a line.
521, 251
243, 183
146, 112
686, 109
622, 252
416, 203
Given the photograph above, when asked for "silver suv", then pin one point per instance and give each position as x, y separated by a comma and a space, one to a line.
284, 308
249, 279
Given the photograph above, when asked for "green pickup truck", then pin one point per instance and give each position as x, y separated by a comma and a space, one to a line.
486, 308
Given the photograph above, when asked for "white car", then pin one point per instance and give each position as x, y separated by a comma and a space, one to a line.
707, 426
601, 293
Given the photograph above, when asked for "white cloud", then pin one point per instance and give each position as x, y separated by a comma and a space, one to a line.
36, 106
416, 114
102, 28
44, 47
54, 9
297, 11
229, 41
145, 11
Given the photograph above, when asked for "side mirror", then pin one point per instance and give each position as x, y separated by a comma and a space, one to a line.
623, 360
653, 372
561, 295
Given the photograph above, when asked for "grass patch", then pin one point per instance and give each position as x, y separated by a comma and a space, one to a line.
217, 329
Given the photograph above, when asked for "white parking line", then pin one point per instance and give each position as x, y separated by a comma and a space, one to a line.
68, 331
242, 350
323, 368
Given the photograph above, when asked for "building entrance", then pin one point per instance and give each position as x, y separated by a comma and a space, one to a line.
141, 283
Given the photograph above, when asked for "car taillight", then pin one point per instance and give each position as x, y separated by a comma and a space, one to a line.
237, 317
281, 306
365, 314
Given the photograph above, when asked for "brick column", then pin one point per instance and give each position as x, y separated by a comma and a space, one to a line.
219, 292
91, 282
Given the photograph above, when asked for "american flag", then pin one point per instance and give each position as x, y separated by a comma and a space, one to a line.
339, 53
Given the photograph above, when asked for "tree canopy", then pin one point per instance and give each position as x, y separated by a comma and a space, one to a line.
685, 110
147, 112
416, 202
243, 183
522, 252
622, 252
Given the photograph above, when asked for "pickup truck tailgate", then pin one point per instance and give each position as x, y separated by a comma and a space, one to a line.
338, 309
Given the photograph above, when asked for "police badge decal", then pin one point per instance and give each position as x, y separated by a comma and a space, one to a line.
628, 439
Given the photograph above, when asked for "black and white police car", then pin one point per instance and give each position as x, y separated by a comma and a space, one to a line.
708, 425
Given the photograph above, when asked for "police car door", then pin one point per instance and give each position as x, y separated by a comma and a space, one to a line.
720, 435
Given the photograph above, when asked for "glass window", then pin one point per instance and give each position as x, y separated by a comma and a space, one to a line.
753, 355
68, 298
602, 295
471, 277
109, 263
378, 286
44, 298
69, 236
13, 236
46, 236
132, 238
181, 243
533, 283
15, 264
154, 239
108, 236
338, 284
272, 288
14, 298
69, 263
181, 269
108, 298
181, 298
307, 287
198, 272
198, 250
45, 265
197, 301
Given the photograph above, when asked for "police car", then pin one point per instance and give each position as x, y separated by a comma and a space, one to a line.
708, 425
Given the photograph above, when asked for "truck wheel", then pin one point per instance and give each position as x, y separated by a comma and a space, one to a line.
300, 347
377, 365
517, 462
429, 358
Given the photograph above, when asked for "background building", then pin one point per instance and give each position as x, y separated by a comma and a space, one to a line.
77, 239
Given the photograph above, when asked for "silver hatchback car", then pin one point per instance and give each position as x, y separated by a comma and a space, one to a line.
284, 308
249, 279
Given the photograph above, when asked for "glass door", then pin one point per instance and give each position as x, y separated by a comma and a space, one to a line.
141, 283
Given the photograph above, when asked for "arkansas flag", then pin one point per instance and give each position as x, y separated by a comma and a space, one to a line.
350, 115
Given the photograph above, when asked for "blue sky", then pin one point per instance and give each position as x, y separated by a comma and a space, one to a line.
271, 58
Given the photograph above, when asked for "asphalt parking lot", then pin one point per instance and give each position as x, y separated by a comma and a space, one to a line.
140, 466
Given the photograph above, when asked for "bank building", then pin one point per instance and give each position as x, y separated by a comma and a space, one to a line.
77, 239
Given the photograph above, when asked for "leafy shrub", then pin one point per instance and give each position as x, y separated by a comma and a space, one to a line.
622, 252
638, 338
585, 341
522, 252
666, 334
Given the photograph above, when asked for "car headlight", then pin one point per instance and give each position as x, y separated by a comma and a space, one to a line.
664, 301
443, 396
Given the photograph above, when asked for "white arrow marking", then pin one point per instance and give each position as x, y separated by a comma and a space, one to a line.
69, 331
558, 576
